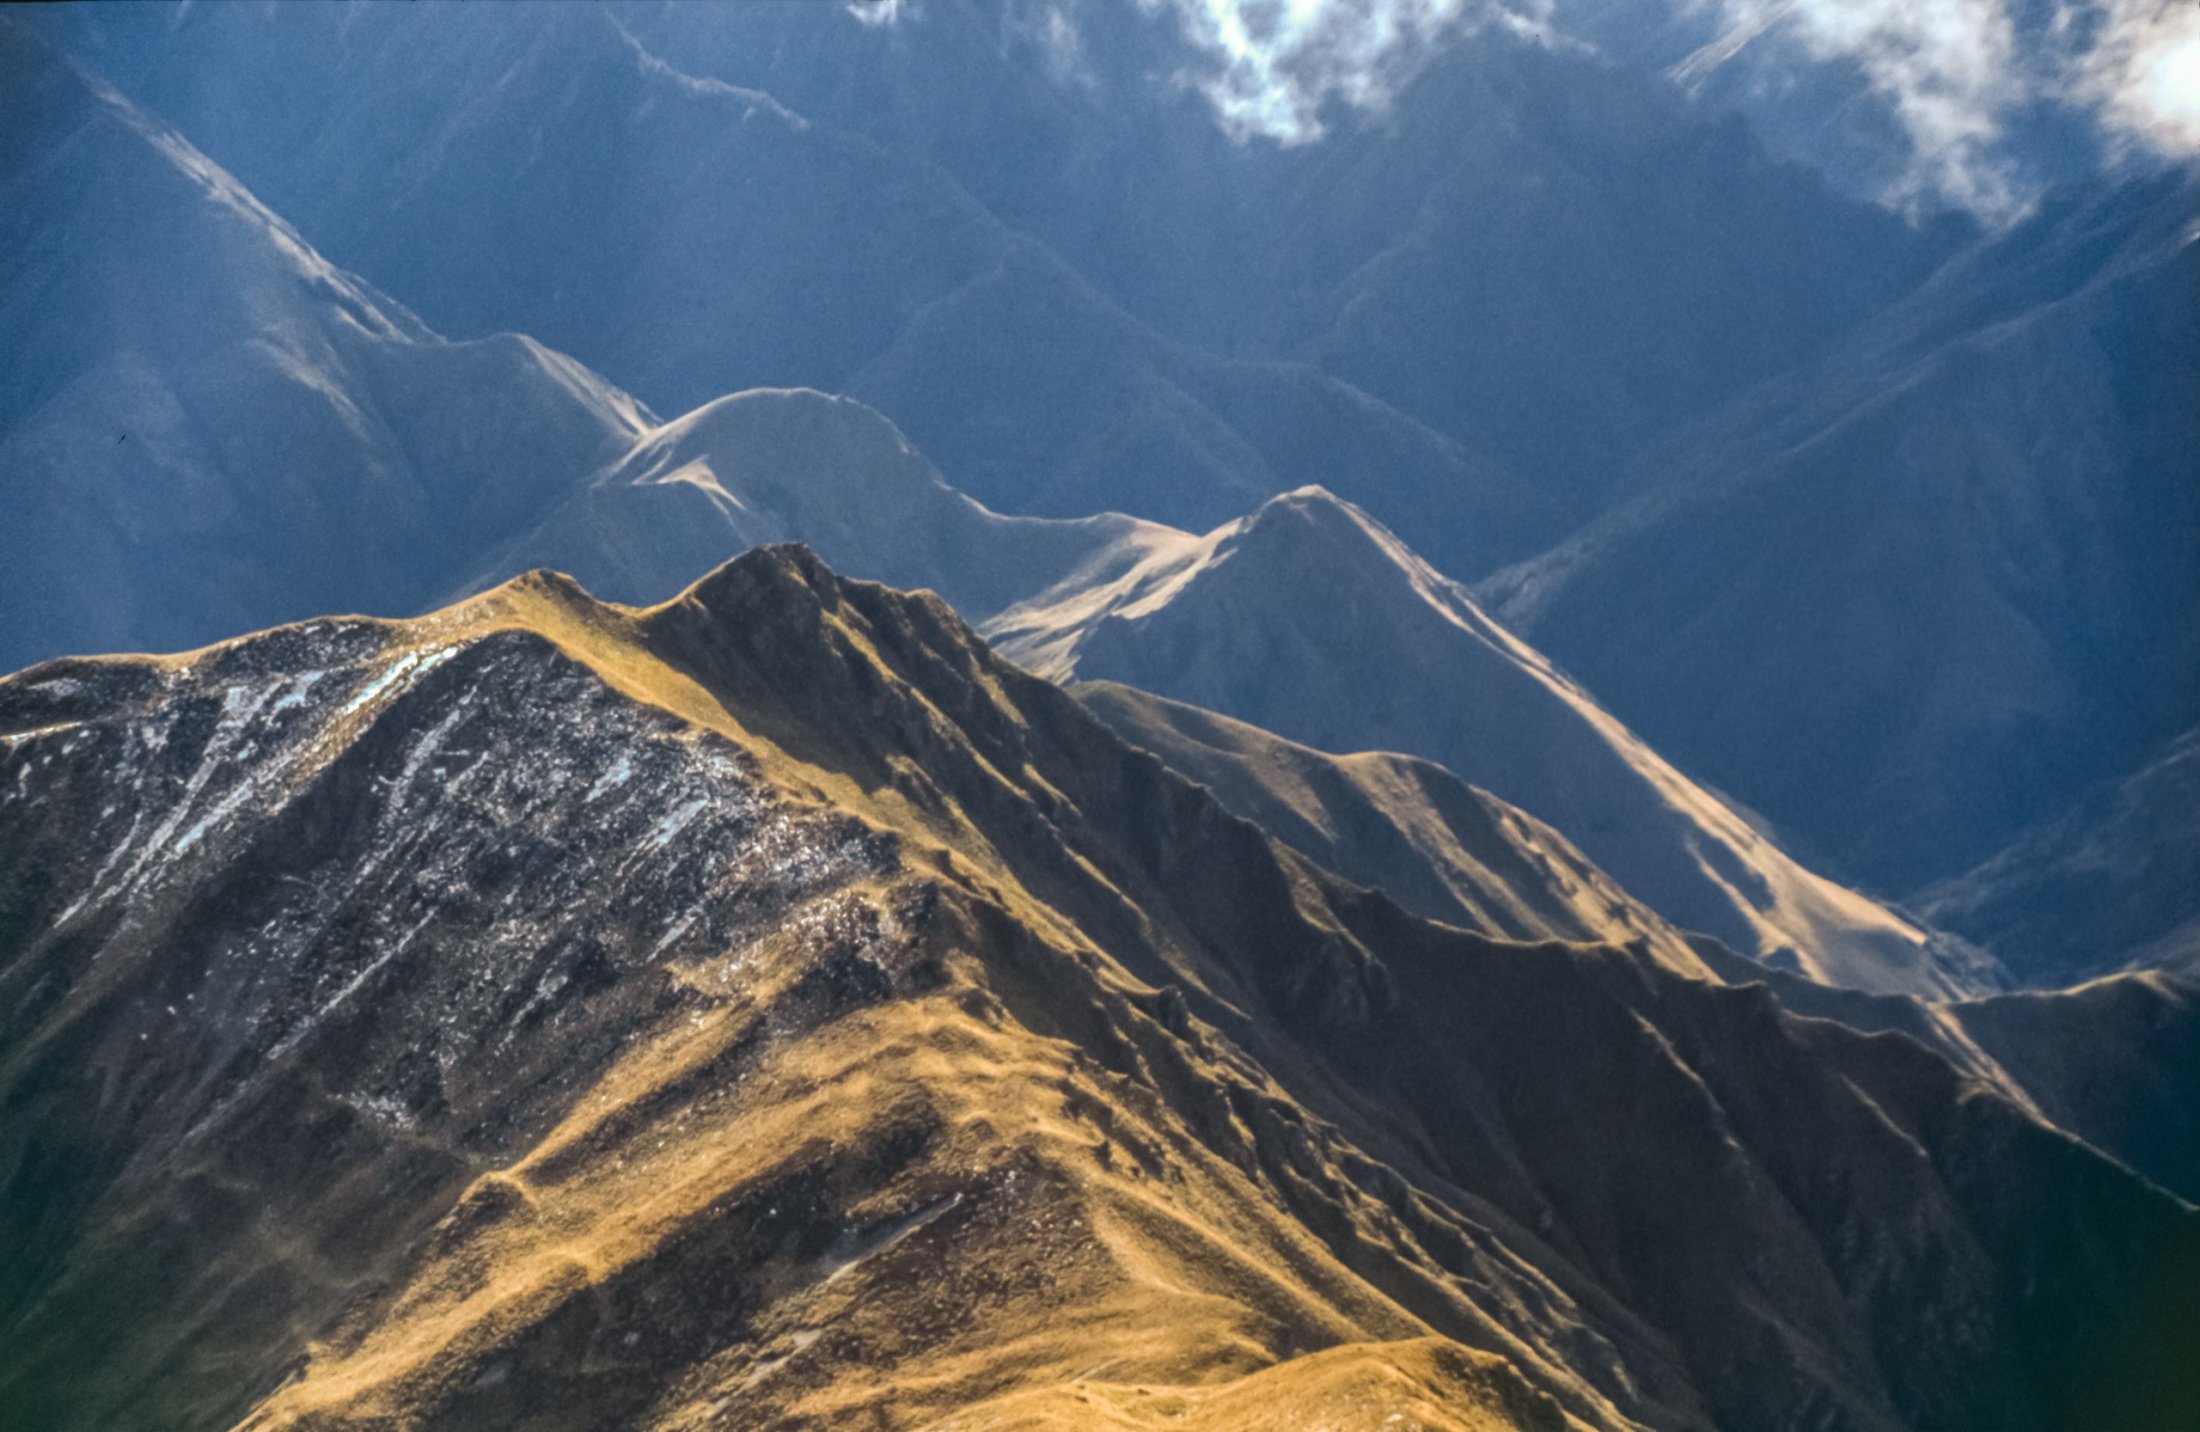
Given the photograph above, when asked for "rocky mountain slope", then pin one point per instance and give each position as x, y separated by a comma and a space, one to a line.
773, 1005
2117, 1057
1404, 826
1392, 656
2115, 1061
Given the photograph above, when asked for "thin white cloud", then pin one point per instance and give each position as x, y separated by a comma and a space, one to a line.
1958, 75
878, 12
1948, 70
1062, 49
1956, 78
1275, 64
2143, 74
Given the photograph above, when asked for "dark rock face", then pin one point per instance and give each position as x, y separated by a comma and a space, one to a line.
544, 1014
2115, 1059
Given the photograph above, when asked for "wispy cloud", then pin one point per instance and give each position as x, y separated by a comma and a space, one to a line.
2142, 73
1274, 65
1949, 72
1956, 79
878, 12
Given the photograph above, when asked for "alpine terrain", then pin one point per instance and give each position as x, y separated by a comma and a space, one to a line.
1051, 716
771, 1008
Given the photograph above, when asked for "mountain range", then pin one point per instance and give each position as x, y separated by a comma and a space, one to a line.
1536, 364
591, 484
878, 716
1958, 563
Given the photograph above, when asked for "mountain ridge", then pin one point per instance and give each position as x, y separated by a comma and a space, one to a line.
1219, 626
844, 750
568, 472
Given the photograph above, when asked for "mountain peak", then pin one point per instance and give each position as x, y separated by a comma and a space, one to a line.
1311, 528
82, 130
1301, 618
763, 576
1312, 506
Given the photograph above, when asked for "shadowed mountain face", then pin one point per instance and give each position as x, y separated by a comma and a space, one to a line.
2116, 1061
531, 168
1394, 657
2112, 882
2117, 1058
546, 1014
1408, 827
1939, 583
213, 429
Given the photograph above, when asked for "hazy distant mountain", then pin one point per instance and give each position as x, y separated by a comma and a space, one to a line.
1539, 256
1545, 255
455, 155
1310, 620
550, 1014
1900, 111
205, 428
1918, 595
2112, 881
1559, 261
801, 466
